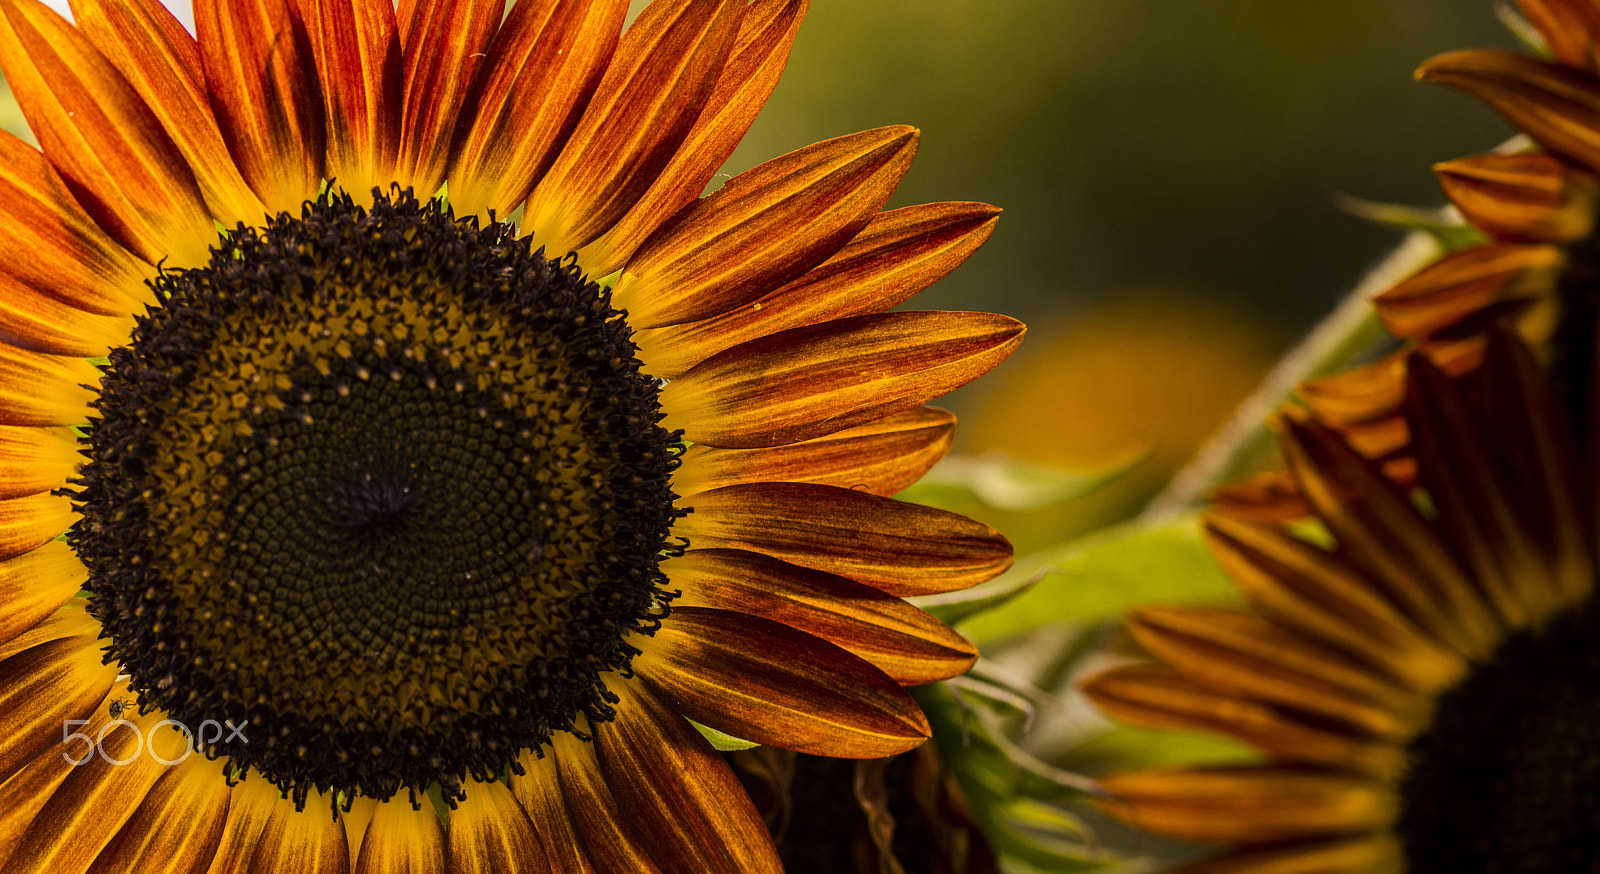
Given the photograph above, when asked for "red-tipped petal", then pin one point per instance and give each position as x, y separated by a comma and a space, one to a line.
356, 47
443, 52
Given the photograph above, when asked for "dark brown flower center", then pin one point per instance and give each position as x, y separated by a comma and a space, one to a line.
387, 488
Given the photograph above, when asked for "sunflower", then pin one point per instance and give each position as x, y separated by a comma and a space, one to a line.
327, 488
1536, 207
1421, 682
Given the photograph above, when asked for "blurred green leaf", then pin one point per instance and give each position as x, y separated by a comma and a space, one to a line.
1005, 483
1444, 224
1124, 748
1100, 576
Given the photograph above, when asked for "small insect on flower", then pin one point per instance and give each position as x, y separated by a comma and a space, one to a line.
117, 707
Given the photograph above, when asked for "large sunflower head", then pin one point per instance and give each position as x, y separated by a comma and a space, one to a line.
1419, 677
327, 488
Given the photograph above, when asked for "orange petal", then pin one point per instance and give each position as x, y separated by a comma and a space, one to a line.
162, 63
1157, 696
606, 841
538, 789
308, 841
677, 793
1266, 497
812, 381
443, 51
900, 253
38, 322
33, 585
757, 61
897, 638
40, 389
30, 522
1465, 284
178, 826
43, 686
542, 68
767, 226
658, 83
262, 79
1372, 392
490, 833
250, 806
899, 548
1557, 106
1248, 805
1571, 28
1366, 854
766, 682
356, 47
1529, 196
399, 838
881, 457
69, 257
111, 150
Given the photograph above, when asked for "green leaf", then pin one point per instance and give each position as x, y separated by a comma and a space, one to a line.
1100, 576
1445, 225
1126, 748
1005, 483
722, 743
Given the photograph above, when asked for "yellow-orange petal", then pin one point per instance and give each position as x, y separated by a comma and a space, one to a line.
490, 833
538, 790
110, 149
30, 522
1571, 29
1249, 806
764, 228
35, 321
607, 841
1468, 283
69, 257
542, 68
1366, 854
677, 793
1527, 196
1373, 392
446, 45
34, 460
1269, 497
902, 641
1157, 696
44, 686
759, 54
355, 45
881, 457
308, 841
178, 824
400, 840
1558, 106
250, 806
899, 548
162, 63
900, 253
262, 81
33, 585
664, 69
768, 683
38, 389
812, 381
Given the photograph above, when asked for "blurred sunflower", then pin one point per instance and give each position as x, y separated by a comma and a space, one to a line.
415, 511
1423, 690
1536, 206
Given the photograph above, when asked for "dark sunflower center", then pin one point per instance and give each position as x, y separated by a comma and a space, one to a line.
1507, 779
385, 488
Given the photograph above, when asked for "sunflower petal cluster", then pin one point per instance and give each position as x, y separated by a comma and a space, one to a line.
759, 312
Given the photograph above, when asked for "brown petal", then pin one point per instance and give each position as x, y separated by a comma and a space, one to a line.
538, 789
43, 686
179, 824
665, 68
605, 838
1559, 107
1248, 805
1366, 854
768, 683
895, 637
765, 227
1373, 392
1266, 497
902, 549
490, 833
263, 84
677, 793
900, 253
109, 148
356, 48
162, 62
812, 381
443, 51
541, 70
40, 389
35, 584
305, 841
69, 257
250, 806
879, 457
1528, 196
1465, 284
1571, 28
1157, 696
758, 58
